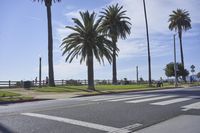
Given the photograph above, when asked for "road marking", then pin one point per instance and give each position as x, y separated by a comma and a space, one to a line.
129, 98
191, 106
78, 123
194, 97
149, 99
86, 98
130, 128
110, 98
167, 102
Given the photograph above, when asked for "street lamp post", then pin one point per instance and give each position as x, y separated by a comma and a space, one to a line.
40, 72
137, 74
148, 46
175, 66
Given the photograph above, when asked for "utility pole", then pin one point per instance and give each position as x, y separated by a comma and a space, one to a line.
175, 66
137, 73
40, 71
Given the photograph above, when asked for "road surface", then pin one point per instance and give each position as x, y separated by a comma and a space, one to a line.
165, 111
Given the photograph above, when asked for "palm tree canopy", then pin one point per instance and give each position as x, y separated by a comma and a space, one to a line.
48, 2
86, 40
115, 22
180, 20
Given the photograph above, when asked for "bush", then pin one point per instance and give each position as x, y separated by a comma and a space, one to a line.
27, 84
19, 84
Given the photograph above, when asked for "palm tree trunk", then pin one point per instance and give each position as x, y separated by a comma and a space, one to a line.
148, 46
90, 73
114, 67
181, 49
50, 48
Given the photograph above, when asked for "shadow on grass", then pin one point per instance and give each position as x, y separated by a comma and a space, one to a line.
4, 129
73, 88
86, 90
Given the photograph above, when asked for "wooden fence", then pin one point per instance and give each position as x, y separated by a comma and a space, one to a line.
19, 84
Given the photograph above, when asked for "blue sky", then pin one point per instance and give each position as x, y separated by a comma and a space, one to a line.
23, 38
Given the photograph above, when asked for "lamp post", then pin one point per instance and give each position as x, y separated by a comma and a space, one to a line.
137, 74
148, 46
175, 66
40, 71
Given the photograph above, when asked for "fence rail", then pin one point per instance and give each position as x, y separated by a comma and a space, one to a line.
19, 84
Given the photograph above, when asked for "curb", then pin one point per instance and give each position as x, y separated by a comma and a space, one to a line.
22, 101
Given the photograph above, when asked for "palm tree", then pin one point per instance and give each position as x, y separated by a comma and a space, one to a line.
87, 41
148, 46
48, 4
116, 25
180, 21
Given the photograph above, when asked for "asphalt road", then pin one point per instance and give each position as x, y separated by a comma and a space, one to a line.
166, 111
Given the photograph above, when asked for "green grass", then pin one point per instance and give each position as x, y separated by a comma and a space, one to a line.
63, 89
97, 87
12, 97
121, 87
8, 94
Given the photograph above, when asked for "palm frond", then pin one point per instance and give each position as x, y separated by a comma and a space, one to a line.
179, 20
87, 39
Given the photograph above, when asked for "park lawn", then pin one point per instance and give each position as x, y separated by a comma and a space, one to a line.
12, 97
8, 94
122, 87
83, 88
63, 89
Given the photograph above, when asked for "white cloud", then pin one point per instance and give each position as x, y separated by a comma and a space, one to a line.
135, 46
73, 14
158, 13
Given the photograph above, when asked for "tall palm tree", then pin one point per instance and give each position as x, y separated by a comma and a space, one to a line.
48, 4
180, 21
148, 46
87, 41
116, 24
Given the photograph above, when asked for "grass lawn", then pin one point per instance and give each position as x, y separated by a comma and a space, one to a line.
12, 97
8, 94
99, 88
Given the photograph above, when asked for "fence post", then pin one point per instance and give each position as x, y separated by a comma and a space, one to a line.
22, 84
43, 82
62, 82
9, 83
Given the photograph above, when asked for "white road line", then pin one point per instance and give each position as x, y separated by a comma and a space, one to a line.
167, 102
130, 127
110, 98
129, 98
191, 106
103, 98
194, 97
78, 123
149, 99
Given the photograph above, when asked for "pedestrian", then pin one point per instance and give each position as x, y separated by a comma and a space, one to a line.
35, 81
161, 81
47, 80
